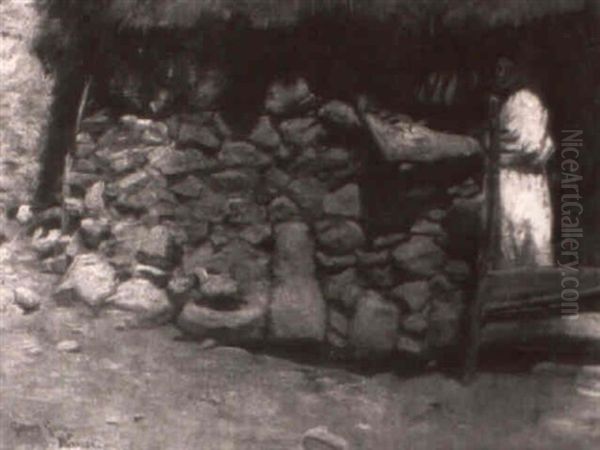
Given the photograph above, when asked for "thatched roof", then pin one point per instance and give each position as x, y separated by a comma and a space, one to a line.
282, 13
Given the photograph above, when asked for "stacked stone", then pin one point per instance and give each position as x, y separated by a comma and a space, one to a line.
257, 237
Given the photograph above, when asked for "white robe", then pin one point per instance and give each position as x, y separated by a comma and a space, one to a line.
524, 206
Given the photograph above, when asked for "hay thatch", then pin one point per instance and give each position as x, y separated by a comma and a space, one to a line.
276, 13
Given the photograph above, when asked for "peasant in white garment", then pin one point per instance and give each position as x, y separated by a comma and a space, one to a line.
523, 199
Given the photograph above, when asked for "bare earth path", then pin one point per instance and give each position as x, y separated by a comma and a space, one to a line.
145, 389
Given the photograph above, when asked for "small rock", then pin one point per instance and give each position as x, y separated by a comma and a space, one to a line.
90, 279
256, 234
288, 98
419, 256
242, 211
414, 294
192, 135
264, 134
156, 134
132, 182
374, 327
48, 245
282, 209
94, 231
381, 276
340, 114
180, 288
24, 214
94, 198
410, 345
338, 287
191, 186
158, 248
302, 132
175, 162
427, 228
367, 259
341, 237
68, 346
140, 297
415, 323
233, 180
389, 240
238, 153
335, 262
56, 264
343, 202
320, 438
27, 300
219, 286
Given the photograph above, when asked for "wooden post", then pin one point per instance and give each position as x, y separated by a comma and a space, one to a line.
65, 222
488, 245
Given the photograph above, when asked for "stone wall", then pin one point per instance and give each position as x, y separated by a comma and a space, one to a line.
261, 238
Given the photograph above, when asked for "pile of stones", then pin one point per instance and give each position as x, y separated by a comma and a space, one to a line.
257, 238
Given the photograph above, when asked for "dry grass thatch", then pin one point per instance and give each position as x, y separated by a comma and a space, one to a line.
274, 13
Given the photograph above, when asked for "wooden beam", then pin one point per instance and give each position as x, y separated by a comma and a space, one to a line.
407, 141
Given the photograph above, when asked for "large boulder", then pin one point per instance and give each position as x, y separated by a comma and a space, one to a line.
90, 279
298, 310
374, 327
147, 304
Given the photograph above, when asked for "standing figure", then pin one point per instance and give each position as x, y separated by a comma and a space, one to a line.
520, 146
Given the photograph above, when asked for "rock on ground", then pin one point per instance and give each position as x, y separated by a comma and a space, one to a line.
90, 279
149, 304
374, 327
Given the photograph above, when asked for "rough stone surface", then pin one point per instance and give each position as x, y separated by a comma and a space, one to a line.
242, 154
190, 186
219, 286
68, 346
192, 135
308, 193
158, 248
94, 231
94, 198
140, 297
264, 134
297, 310
174, 162
410, 345
157, 276
48, 245
288, 98
340, 114
341, 237
419, 256
414, 295
302, 132
320, 438
373, 329
335, 262
90, 279
26, 299
180, 287
341, 287
282, 209
343, 202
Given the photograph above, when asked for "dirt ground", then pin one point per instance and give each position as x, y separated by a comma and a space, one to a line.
149, 389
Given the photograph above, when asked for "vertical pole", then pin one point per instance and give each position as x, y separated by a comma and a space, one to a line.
488, 245
65, 222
